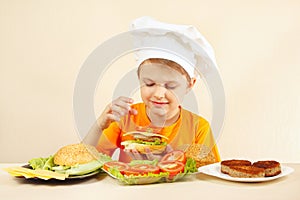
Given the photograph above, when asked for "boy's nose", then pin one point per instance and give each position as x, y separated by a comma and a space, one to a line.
159, 92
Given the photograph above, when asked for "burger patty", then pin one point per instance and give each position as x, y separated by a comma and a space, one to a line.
271, 167
244, 168
148, 139
247, 171
226, 164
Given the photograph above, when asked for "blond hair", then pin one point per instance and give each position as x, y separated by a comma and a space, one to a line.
168, 63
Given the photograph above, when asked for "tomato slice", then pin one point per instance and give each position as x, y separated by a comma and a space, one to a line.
175, 155
121, 166
171, 166
142, 169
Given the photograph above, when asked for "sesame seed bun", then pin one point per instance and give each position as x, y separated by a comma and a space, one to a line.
73, 154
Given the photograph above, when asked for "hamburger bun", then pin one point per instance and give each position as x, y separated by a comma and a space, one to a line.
73, 154
200, 153
142, 148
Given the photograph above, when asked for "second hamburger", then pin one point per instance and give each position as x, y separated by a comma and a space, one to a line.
141, 141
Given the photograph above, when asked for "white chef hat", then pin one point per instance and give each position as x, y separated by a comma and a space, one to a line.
183, 44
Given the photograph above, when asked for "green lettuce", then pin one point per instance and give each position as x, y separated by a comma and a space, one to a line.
150, 162
156, 142
79, 169
190, 167
138, 180
42, 163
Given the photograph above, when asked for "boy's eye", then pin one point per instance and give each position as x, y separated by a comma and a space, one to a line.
170, 86
150, 84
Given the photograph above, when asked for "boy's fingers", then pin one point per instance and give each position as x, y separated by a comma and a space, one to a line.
133, 111
137, 155
125, 99
168, 148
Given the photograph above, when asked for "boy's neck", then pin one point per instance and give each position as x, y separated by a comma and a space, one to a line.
163, 121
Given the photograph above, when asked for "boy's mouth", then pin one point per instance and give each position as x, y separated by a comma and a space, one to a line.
159, 103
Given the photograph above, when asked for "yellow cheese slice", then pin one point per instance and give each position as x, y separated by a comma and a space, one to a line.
30, 173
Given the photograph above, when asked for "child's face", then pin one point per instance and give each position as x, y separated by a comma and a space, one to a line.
162, 89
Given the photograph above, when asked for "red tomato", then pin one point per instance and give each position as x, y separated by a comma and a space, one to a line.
175, 155
116, 164
171, 166
141, 169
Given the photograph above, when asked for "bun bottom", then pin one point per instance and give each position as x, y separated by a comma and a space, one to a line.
142, 148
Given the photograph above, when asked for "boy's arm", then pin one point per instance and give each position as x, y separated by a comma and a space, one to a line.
93, 135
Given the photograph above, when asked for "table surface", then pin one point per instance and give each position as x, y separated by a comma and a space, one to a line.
103, 186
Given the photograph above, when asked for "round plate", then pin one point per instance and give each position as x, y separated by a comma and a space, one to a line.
72, 177
215, 170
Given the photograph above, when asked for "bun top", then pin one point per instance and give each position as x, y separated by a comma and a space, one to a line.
73, 154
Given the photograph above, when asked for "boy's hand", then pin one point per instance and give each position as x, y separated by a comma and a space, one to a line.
135, 155
114, 111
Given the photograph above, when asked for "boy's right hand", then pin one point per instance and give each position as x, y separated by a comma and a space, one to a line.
115, 110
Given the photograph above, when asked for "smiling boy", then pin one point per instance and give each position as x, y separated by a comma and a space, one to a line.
164, 81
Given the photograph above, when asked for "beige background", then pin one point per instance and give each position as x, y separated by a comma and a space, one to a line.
44, 43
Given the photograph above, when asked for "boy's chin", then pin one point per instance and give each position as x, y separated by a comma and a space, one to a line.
158, 111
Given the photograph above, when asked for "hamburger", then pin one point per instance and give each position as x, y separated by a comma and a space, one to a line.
73, 154
78, 159
141, 141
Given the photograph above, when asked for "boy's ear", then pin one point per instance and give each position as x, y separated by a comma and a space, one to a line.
191, 84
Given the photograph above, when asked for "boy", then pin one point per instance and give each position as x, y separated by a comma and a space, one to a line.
164, 81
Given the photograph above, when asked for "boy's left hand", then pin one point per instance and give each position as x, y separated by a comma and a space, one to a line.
135, 155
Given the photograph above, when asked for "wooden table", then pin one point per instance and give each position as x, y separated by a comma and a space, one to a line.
102, 186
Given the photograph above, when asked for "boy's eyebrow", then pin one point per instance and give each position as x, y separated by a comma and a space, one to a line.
148, 79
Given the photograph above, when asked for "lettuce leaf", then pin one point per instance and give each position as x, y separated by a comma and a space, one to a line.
150, 162
190, 167
79, 169
156, 142
42, 163
138, 180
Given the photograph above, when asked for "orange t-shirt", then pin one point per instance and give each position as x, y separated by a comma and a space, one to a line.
188, 129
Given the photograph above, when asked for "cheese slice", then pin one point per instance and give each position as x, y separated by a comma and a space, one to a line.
39, 173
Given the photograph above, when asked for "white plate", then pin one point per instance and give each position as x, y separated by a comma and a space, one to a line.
215, 170
69, 177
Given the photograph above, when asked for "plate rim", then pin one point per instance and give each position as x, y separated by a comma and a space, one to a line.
70, 177
214, 170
